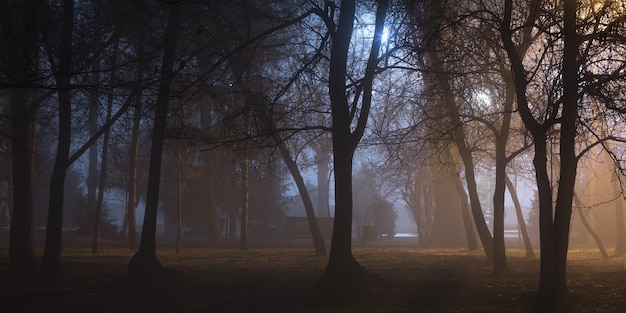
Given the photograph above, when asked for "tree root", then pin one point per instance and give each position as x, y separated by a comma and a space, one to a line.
144, 266
345, 285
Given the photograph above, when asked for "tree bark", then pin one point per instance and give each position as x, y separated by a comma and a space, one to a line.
20, 43
245, 202
105, 156
21, 251
145, 263
102, 184
179, 198
213, 221
567, 154
232, 209
92, 171
131, 205
344, 277
547, 277
501, 138
63, 77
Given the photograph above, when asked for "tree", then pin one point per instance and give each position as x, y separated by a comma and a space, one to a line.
419, 196
64, 62
620, 245
343, 274
530, 253
583, 219
371, 207
105, 156
145, 263
20, 33
131, 186
63, 76
570, 51
318, 240
438, 83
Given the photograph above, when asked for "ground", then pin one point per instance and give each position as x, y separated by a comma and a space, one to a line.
282, 279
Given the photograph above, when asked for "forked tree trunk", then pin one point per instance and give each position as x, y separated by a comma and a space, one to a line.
547, 277
344, 277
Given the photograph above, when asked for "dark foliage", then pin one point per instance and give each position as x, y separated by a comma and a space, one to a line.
83, 220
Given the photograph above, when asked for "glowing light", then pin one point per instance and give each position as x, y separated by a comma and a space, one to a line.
385, 35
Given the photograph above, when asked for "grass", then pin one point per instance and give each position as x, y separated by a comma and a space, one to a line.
282, 280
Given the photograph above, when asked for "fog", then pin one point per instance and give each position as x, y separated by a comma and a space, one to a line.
312, 144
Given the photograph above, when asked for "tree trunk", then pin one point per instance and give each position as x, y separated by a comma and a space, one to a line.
232, 210
547, 277
102, 184
213, 222
466, 157
21, 251
546, 240
322, 158
439, 81
501, 139
588, 227
92, 171
131, 204
20, 43
179, 198
63, 77
344, 277
124, 221
145, 263
567, 154
245, 199
530, 253
620, 246
465, 207
105, 152
318, 239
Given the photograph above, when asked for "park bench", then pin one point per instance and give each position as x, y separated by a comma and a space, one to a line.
298, 227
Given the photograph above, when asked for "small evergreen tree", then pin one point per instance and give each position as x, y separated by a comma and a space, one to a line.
533, 219
83, 218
